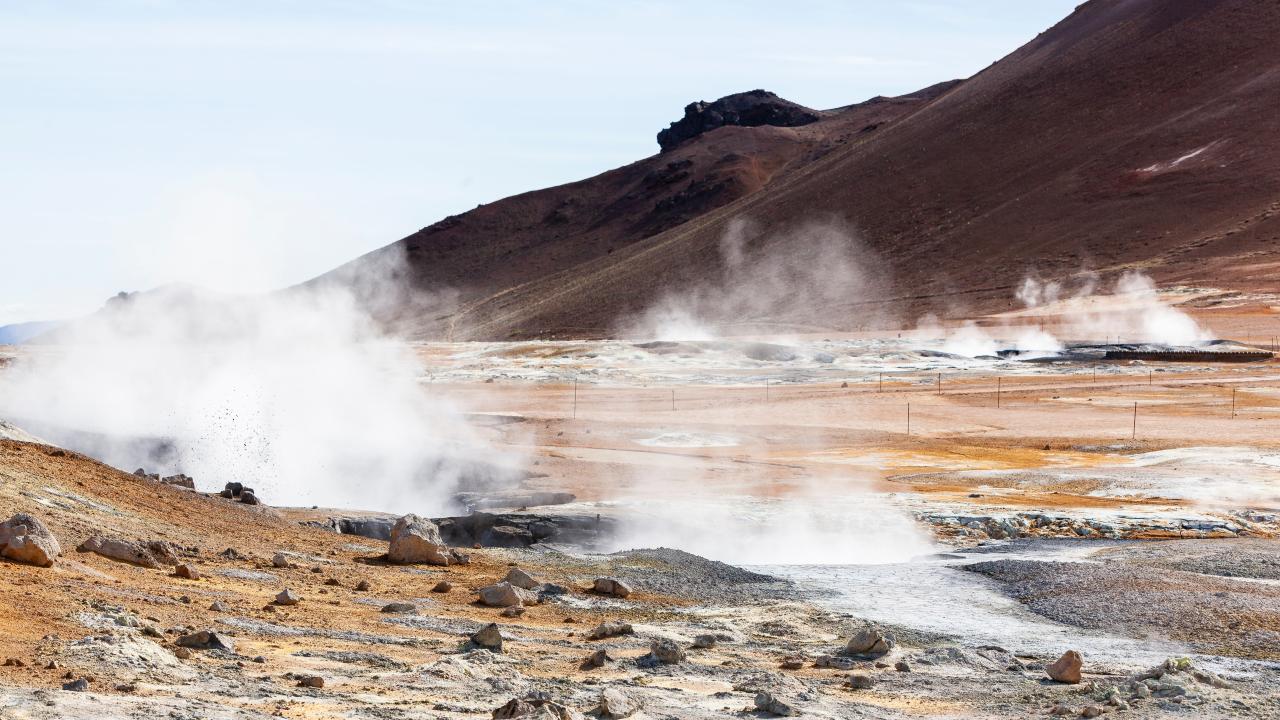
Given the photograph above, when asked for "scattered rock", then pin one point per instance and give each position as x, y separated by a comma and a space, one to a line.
204, 640
399, 607
443, 586
610, 629
902, 666
25, 539
249, 497
1066, 669
861, 681
1092, 711
362, 586
488, 637
595, 660
219, 606
279, 560
767, 703
504, 594
188, 571
616, 704
80, 685
665, 651
311, 681
792, 662
611, 586
520, 579
416, 540
514, 611
332, 582
704, 642
537, 706
287, 597
14, 662
182, 653
837, 662
153, 554
869, 641
179, 480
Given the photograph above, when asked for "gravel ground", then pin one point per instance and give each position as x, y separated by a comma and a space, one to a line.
1243, 558
1212, 614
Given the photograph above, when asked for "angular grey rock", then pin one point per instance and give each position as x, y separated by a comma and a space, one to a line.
154, 554
666, 651
869, 641
504, 594
25, 539
416, 540
399, 607
595, 660
611, 586
610, 629
616, 704
766, 702
704, 642
77, 685
489, 637
279, 560
514, 611
287, 597
206, 640
520, 579
537, 706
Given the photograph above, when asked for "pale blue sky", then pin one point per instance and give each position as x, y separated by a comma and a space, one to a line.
250, 145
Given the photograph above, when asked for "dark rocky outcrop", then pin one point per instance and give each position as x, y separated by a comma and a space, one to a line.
749, 109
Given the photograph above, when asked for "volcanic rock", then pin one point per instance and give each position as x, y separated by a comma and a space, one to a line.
616, 704
311, 681
443, 586
287, 597
861, 681
25, 539
188, 571
489, 637
1066, 669
279, 560
153, 554
703, 642
749, 109
869, 641
504, 594
399, 607
767, 703
205, 640
595, 660
520, 579
416, 540
666, 651
79, 685
610, 629
611, 586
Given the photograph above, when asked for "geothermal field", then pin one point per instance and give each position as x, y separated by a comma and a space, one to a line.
979, 519
420, 360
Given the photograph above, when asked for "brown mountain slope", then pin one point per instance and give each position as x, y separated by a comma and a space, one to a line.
1133, 133
535, 235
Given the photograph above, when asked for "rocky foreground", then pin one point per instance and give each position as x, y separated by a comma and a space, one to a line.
129, 597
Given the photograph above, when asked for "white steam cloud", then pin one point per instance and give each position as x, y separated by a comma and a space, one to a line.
296, 394
809, 278
1133, 312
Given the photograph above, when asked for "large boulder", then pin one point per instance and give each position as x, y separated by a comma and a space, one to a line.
25, 539
154, 554
417, 540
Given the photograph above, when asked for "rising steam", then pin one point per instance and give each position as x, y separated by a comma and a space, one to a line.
296, 394
809, 278
1132, 312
